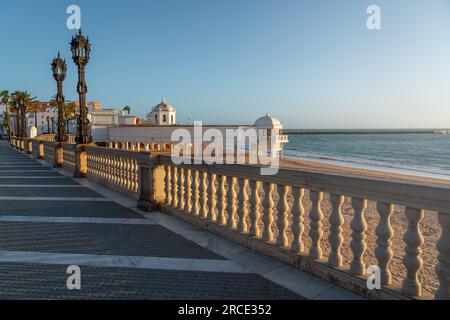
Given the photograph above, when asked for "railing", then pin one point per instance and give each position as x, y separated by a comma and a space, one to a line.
49, 151
51, 137
116, 168
333, 226
283, 216
69, 155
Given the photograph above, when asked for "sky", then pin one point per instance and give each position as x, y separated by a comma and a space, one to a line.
311, 64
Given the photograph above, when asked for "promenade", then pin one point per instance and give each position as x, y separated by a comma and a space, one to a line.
49, 221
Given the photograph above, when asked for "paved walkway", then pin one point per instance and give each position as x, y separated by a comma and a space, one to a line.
49, 221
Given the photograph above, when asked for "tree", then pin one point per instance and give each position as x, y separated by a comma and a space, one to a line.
5, 101
28, 102
127, 109
70, 110
35, 108
70, 113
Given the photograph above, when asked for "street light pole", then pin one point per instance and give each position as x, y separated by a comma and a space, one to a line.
22, 113
59, 68
80, 53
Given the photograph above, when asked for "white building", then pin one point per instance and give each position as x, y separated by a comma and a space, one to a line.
162, 114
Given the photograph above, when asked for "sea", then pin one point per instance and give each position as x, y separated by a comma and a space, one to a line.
419, 154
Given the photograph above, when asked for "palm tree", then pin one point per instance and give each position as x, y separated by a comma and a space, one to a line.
28, 102
5, 101
70, 112
35, 108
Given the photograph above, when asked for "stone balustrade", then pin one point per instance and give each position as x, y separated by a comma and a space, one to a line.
268, 213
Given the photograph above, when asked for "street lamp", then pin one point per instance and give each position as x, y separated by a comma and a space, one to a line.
80, 53
22, 113
59, 69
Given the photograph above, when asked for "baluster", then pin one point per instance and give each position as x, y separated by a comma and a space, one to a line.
298, 213
204, 195
181, 202
316, 232
255, 201
336, 238
358, 243
213, 198
116, 171
175, 187
196, 193
282, 216
168, 185
223, 201
136, 176
232, 208
128, 173
384, 233
268, 212
188, 190
443, 267
412, 259
243, 207
121, 172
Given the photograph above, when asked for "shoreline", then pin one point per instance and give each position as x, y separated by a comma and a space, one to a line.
341, 167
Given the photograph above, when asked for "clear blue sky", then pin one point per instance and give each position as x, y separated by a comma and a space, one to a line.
312, 64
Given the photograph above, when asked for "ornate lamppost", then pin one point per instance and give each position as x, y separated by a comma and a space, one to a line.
48, 124
21, 122
59, 68
80, 53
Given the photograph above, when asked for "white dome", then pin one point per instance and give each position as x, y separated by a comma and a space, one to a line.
164, 106
268, 122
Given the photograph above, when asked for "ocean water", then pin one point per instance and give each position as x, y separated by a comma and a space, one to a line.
421, 154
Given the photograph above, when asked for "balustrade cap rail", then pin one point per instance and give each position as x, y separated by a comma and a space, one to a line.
432, 197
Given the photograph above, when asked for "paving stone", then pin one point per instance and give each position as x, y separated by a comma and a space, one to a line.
49, 192
31, 181
47, 173
104, 239
38, 281
66, 209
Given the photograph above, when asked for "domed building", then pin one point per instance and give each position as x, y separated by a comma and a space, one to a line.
270, 131
163, 114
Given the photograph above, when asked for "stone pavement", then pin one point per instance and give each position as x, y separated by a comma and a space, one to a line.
49, 221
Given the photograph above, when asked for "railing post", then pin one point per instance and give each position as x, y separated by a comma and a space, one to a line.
80, 161
29, 146
59, 155
443, 267
152, 192
40, 151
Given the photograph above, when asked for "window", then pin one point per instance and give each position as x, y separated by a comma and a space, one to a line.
171, 119
164, 118
269, 132
156, 118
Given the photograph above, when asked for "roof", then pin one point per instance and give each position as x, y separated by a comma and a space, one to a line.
163, 106
268, 122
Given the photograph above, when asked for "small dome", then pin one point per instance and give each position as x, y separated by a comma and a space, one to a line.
164, 106
268, 122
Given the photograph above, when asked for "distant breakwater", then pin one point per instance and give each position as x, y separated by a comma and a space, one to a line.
356, 131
